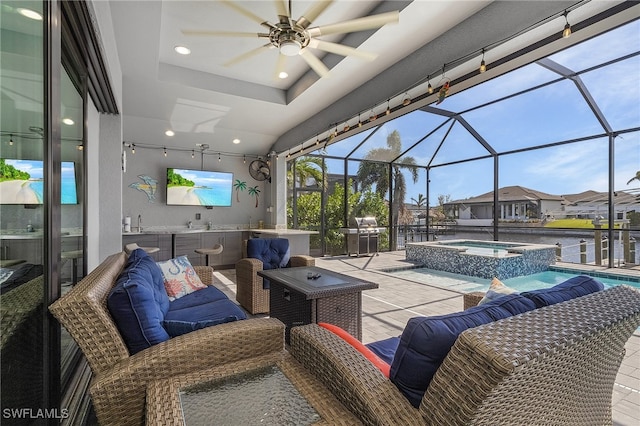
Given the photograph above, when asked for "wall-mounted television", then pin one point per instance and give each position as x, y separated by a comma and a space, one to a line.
187, 187
22, 182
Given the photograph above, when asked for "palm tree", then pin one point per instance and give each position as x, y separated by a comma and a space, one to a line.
421, 201
376, 171
254, 192
239, 186
307, 168
636, 177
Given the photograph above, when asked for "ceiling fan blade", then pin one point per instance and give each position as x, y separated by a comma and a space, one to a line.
248, 55
241, 10
315, 63
313, 12
221, 33
341, 49
282, 59
358, 24
282, 8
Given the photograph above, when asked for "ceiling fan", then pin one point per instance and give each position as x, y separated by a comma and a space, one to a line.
294, 37
259, 170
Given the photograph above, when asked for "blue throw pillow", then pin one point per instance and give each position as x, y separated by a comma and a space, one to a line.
272, 252
426, 341
570, 289
137, 305
385, 349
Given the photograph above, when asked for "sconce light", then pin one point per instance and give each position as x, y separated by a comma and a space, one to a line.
407, 100
483, 66
133, 148
429, 86
388, 108
10, 139
165, 151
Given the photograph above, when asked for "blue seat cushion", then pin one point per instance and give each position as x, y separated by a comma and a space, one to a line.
426, 341
180, 321
580, 285
272, 252
385, 349
138, 302
200, 297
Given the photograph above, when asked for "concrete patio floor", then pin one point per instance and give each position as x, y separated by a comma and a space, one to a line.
387, 309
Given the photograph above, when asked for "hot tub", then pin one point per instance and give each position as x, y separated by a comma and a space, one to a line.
485, 259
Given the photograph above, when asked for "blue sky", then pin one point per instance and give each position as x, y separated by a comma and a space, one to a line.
550, 114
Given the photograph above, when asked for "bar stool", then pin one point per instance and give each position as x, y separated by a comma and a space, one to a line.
132, 246
74, 255
216, 249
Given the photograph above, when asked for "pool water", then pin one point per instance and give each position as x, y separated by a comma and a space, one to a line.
466, 284
550, 278
482, 248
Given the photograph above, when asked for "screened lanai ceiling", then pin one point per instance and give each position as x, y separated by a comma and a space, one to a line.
553, 116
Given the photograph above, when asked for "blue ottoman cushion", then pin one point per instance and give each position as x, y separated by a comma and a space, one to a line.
180, 321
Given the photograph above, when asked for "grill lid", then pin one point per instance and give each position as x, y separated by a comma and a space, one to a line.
364, 222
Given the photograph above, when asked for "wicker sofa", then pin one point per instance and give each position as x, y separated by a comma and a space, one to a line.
120, 380
554, 365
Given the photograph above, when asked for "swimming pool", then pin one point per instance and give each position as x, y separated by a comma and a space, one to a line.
545, 279
484, 259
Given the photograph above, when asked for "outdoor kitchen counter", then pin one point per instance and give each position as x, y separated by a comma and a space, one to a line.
298, 238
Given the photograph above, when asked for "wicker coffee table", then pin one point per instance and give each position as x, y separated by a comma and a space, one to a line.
269, 390
308, 294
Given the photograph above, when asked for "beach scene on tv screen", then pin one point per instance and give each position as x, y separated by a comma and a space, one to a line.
199, 187
21, 182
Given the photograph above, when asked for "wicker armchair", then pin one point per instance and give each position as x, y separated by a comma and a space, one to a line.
250, 292
21, 311
553, 365
119, 380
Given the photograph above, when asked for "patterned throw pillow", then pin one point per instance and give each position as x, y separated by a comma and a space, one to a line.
496, 289
180, 278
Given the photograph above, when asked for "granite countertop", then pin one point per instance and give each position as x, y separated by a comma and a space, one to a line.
230, 228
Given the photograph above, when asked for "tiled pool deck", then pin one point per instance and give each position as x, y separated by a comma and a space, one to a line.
387, 309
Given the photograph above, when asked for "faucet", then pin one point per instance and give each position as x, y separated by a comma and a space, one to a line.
139, 223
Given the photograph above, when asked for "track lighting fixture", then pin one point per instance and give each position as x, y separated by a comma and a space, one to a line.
346, 127
219, 157
373, 116
429, 86
244, 159
317, 140
359, 121
193, 153
388, 108
165, 151
483, 66
10, 139
566, 33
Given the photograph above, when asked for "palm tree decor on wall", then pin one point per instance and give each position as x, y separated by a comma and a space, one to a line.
254, 192
239, 186
374, 170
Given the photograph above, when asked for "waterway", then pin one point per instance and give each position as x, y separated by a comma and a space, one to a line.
570, 244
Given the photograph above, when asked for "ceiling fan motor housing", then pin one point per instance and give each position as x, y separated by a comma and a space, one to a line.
288, 39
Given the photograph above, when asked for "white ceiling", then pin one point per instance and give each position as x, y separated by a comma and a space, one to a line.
206, 102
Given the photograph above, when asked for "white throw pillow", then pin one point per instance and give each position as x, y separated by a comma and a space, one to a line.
496, 290
180, 278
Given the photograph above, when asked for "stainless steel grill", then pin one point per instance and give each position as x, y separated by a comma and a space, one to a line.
362, 236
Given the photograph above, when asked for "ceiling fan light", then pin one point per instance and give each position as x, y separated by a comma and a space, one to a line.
290, 47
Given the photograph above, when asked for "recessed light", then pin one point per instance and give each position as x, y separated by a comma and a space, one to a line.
169, 133
31, 14
236, 141
68, 121
183, 50
283, 75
